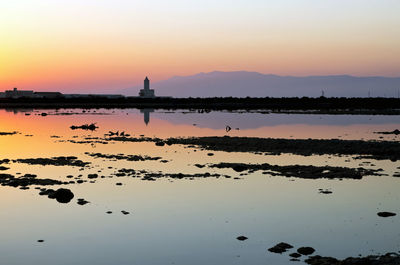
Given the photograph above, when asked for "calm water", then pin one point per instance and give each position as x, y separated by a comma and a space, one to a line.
190, 221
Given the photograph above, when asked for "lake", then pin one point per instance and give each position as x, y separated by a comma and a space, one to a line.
196, 219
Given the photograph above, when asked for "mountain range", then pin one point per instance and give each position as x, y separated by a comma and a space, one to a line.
253, 84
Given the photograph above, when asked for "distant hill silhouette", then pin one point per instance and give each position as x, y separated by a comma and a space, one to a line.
253, 84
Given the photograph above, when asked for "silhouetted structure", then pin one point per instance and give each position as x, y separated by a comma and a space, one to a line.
15, 93
146, 115
146, 92
30, 94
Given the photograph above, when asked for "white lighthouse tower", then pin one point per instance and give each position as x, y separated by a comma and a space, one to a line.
146, 92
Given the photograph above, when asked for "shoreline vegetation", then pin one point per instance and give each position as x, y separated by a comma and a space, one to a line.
321, 105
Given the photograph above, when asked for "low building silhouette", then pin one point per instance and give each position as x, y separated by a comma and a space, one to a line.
15, 93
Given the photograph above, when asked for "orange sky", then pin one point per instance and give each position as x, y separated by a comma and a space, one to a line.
99, 45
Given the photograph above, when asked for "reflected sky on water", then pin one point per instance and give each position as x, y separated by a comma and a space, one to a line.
191, 221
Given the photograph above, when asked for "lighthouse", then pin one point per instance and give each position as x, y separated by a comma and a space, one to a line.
146, 92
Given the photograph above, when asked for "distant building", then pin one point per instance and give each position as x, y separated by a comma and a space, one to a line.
146, 92
15, 93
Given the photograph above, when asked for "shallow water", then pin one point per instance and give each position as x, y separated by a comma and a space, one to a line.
182, 221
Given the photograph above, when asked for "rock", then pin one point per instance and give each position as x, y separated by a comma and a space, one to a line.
160, 143
109, 212
62, 195
82, 201
295, 255
93, 176
280, 248
125, 212
239, 168
387, 259
241, 238
322, 191
305, 251
118, 184
386, 214
40, 241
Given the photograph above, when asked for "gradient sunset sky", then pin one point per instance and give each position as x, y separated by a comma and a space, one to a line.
90, 45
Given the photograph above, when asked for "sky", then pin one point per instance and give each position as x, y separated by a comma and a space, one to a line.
89, 45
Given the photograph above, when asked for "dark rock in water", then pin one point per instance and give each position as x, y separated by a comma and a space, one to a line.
43, 114
305, 250
241, 238
280, 248
7, 133
122, 157
93, 176
295, 255
29, 176
125, 212
109, 212
54, 161
160, 143
322, 191
301, 171
46, 192
387, 259
40, 241
82, 201
386, 214
210, 154
239, 168
118, 184
62, 195
4, 168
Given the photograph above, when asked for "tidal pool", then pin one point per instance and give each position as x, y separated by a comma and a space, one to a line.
191, 220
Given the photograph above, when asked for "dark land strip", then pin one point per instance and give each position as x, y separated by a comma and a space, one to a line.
322, 104
299, 171
379, 150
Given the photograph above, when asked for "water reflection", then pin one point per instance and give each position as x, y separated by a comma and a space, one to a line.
146, 115
189, 221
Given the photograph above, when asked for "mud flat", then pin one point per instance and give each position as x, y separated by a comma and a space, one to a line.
7, 133
363, 149
299, 171
387, 259
26, 181
122, 157
54, 161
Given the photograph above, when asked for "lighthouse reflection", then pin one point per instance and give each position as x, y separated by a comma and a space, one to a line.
146, 115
